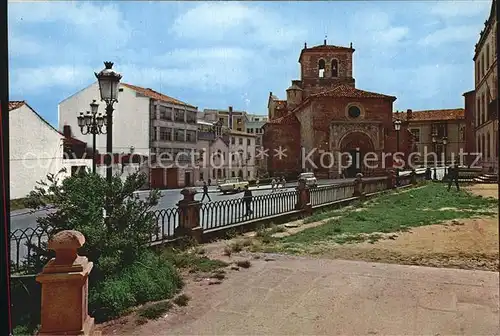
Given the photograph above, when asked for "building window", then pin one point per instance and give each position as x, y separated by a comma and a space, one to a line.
165, 134
248, 174
233, 174
239, 129
191, 117
483, 113
165, 113
335, 68
191, 136
248, 142
201, 176
179, 135
478, 112
416, 134
154, 136
240, 141
232, 141
482, 65
487, 57
256, 119
179, 115
321, 68
354, 111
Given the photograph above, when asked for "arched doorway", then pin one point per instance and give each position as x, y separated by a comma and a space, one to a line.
357, 145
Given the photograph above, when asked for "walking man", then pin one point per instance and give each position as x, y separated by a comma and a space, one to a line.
273, 183
453, 176
205, 192
247, 198
283, 182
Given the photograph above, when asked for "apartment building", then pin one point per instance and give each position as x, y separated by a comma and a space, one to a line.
254, 126
156, 126
229, 118
442, 132
486, 95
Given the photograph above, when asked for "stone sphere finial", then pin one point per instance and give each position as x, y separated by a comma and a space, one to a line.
65, 244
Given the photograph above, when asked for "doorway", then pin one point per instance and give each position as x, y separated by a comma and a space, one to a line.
356, 163
187, 179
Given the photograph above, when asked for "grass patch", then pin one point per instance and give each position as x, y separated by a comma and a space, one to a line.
154, 311
193, 262
182, 300
392, 212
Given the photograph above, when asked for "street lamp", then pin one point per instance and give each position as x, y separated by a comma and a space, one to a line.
108, 88
445, 142
92, 123
397, 127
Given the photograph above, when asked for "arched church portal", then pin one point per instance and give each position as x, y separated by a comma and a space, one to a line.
357, 144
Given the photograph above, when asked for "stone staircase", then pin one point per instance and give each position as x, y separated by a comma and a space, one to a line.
487, 178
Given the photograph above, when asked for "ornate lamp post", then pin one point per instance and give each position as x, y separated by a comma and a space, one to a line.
445, 142
434, 141
397, 127
108, 87
92, 123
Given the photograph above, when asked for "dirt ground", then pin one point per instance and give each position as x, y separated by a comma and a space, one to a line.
465, 243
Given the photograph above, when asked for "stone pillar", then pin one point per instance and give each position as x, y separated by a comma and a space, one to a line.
413, 177
304, 197
359, 188
189, 216
64, 282
428, 174
391, 180
435, 174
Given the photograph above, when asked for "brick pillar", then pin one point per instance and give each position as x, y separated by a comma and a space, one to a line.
64, 282
189, 216
359, 187
303, 197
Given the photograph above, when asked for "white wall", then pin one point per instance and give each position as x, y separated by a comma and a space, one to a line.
130, 119
36, 149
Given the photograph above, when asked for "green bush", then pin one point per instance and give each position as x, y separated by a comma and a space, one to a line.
150, 278
111, 243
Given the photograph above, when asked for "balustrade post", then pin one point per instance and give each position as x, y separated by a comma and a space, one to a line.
359, 187
413, 177
428, 174
391, 179
303, 197
189, 216
64, 281
435, 174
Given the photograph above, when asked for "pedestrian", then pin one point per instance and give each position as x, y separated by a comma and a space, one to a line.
257, 182
283, 182
209, 182
205, 192
453, 176
247, 198
273, 183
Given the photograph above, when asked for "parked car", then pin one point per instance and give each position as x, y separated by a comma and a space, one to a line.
233, 185
309, 178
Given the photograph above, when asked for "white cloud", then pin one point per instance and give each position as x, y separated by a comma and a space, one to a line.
236, 22
102, 23
30, 80
450, 34
377, 28
21, 45
456, 9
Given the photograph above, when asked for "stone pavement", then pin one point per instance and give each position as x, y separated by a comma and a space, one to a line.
301, 296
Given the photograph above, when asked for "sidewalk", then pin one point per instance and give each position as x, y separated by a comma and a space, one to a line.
305, 296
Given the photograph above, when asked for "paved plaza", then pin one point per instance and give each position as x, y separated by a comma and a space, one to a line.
301, 296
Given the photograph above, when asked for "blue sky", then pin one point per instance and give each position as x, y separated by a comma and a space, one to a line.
216, 54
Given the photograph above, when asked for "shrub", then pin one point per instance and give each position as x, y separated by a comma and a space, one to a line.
112, 243
150, 278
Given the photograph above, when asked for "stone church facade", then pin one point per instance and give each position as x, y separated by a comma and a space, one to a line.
325, 120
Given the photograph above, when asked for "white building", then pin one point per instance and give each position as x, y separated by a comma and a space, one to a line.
151, 124
36, 150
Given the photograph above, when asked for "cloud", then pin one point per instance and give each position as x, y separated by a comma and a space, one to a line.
236, 22
29, 80
451, 34
459, 9
378, 29
22, 45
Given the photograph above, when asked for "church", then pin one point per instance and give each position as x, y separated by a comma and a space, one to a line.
328, 126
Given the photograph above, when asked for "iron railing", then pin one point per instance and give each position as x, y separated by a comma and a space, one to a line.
331, 193
229, 212
23, 243
168, 220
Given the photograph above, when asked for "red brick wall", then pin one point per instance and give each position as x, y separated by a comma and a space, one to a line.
311, 83
288, 137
